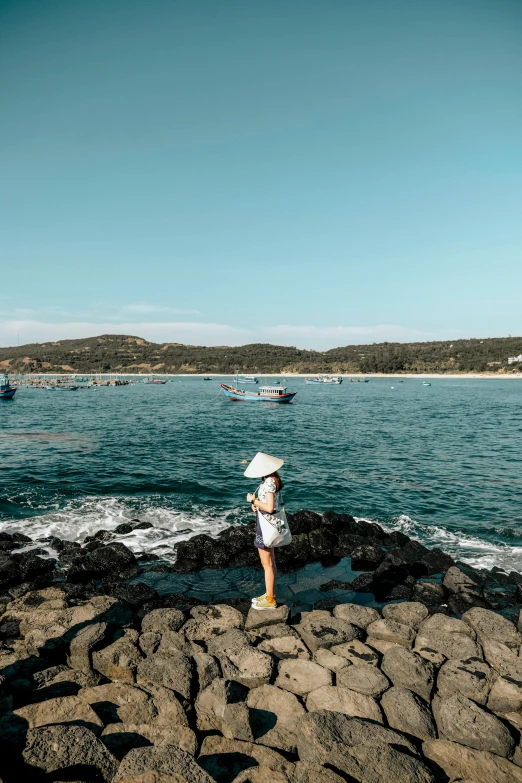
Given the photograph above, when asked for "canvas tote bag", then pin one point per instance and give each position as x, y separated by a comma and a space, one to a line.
274, 527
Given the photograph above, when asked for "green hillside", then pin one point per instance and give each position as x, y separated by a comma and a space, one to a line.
121, 353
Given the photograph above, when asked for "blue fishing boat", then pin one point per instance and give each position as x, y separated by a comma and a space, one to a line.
7, 392
265, 394
248, 379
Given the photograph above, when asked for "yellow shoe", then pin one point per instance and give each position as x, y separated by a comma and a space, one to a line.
259, 598
265, 602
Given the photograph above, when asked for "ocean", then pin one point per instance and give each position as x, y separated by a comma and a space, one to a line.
443, 463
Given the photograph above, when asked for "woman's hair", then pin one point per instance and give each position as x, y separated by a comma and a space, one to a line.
278, 481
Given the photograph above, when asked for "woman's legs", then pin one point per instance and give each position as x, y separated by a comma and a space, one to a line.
268, 562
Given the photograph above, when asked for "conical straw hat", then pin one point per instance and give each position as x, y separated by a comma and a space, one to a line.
263, 465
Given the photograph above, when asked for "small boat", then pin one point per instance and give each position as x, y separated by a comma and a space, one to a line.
248, 379
426, 383
62, 387
154, 380
7, 392
207, 379
330, 379
265, 394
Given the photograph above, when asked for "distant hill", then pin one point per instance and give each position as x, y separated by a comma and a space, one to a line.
122, 353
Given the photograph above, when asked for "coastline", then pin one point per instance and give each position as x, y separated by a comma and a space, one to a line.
438, 376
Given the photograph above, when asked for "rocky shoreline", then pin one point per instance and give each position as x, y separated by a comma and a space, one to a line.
102, 679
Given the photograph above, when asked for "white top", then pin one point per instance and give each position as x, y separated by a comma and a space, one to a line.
268, 485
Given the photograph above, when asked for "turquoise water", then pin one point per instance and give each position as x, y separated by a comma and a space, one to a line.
442, 463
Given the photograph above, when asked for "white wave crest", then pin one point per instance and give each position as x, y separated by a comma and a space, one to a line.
477, 552
77, 520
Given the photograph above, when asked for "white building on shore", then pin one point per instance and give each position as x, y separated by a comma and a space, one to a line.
515, 359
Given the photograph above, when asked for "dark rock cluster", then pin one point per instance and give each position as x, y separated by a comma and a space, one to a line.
96, 690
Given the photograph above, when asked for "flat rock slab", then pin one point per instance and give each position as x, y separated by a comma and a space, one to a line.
54, 749
68, 709
356, 652
406, 668
471, 678
161, 620
285, 647
224, 759
274, 714
174, 672
407, 712
210, 621
441, 622
347, 702
363, 678
247, 665
166, 760
490, 626
355, 614
301, 677
329, 660
120, 738
462, 763
391, 631
256, 619
326, 633
461, 720
446, 643
119, 660
505, 695
410, 613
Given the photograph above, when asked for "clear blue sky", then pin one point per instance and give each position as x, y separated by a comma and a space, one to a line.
229, 171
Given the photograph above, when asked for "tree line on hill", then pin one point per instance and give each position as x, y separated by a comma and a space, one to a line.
123, 353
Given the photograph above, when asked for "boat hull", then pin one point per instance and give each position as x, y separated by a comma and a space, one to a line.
238, 395
8, 394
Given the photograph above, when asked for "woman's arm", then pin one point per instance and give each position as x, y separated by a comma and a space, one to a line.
266, 505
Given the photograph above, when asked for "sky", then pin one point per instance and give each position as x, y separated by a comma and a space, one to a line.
303, 173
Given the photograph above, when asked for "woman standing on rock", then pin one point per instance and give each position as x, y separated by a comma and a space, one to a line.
266, 501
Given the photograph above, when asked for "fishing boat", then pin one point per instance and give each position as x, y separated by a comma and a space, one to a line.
62, 387
248, 379
207, 379
329, 379
154, 380
265, 394
426, 383
7, 392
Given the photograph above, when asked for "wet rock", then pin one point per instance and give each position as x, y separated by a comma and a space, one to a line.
409, 670
274, 714
256, 619
345, 701
325, 633
174, 672
462, 763
463, 589
361, 616
410, 613
362, 583
471, 678
9, 571
461, 720
120, 659
490, 626
161, 620
408, 713
301, 677
166, 760
359, 749
32, 567
367, 556
335, 584
391, 631
305, 522
246, 665
363, 678
285, 647
62, 749
135, 594
429, 593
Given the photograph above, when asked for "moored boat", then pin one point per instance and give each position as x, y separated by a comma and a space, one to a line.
62, 387
265, 394
156, 381
248, 379
329, 379
7, 392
